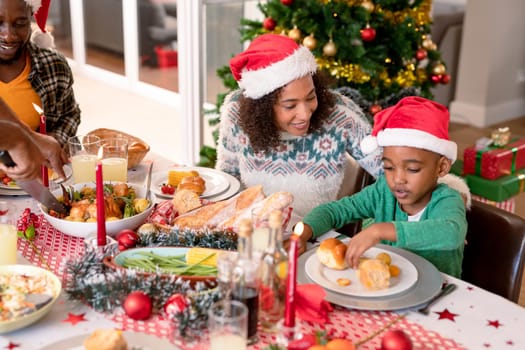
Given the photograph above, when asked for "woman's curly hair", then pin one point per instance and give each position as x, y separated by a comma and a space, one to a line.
257, 117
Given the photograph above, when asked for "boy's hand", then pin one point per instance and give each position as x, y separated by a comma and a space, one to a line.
366, 239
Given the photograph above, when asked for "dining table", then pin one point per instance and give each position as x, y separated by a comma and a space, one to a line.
468, 318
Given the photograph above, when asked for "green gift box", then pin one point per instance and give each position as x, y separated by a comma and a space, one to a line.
496, 190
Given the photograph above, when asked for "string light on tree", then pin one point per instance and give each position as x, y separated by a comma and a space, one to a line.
310, 42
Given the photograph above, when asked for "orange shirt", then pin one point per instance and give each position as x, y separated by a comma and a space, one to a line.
20, 96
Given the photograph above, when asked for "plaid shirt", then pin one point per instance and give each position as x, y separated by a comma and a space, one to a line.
52, 80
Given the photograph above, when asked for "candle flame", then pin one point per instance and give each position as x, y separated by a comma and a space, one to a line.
298, 229
38, 109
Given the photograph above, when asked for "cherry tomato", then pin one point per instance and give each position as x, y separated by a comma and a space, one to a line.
167, 189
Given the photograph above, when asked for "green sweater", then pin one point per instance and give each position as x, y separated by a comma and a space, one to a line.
438, 236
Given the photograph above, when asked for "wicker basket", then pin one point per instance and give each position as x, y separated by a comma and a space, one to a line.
137, 149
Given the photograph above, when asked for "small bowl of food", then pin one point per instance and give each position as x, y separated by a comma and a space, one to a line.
193, 264
28, 294
126, 207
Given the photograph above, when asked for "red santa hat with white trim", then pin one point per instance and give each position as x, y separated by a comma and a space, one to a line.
271, 61
414, 122
41, 37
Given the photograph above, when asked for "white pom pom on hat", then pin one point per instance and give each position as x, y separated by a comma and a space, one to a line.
414, 122
271, 61
41, 37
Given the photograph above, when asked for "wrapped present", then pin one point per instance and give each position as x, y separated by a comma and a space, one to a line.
497, 190
508, 204
493, 162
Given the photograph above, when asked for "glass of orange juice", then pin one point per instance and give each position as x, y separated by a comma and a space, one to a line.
115, 159
83, 151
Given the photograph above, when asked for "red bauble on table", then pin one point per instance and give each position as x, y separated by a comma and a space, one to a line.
127, 239
269, 23
175, 304
421, 54
287, 2
396, 340
138, 305
368, 34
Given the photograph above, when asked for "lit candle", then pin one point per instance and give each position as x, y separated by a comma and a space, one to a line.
291, 282
101, 215
42, 129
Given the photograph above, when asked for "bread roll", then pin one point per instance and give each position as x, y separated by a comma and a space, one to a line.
374, 274
192, 186
106, 339
331, 253
185, 200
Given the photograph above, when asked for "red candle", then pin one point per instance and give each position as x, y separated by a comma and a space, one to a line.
42, 129
291, 281
101, 215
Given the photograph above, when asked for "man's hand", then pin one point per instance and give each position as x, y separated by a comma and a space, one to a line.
54, 156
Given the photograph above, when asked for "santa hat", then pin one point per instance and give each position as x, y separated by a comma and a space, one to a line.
415, 122
271, 61
41, 37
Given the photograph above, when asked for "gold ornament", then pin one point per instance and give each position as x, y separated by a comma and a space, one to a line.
439, 69
295, 34
310, 42
501, 136
368, 5
330, 49
388, 60
428, 44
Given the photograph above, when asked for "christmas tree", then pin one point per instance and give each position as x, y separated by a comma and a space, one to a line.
376, 51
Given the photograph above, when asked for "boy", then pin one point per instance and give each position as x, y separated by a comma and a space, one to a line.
411, 210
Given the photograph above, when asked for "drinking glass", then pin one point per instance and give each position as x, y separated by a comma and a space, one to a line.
115, 159
261, 232
228, 325
83, 151
8, 236
225, 265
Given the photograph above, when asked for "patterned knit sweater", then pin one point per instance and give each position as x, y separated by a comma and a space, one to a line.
438, 236
310, 167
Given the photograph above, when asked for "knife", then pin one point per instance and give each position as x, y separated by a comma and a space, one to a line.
35, 188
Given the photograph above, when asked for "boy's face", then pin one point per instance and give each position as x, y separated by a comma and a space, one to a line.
411, 174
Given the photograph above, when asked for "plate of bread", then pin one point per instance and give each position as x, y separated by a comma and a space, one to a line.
207, 182
380, 273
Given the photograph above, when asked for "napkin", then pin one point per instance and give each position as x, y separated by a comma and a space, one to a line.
310, 304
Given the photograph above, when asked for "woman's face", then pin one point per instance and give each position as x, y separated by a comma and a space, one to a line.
295, 105
15, 29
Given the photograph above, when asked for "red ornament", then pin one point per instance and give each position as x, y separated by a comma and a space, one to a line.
368, 34
269, 23
445, 78
303, 343
175, 304
287, 2
436, 79
421, 54
396, 340
127, 239
138, 305
375, 108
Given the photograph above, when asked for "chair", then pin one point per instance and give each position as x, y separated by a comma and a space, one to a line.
354, 180
494, 256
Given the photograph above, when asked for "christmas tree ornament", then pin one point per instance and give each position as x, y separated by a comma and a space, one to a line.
175, 304
396, 340
269, 23
410, 67
310, 42
375, 108
368, 5
428, 44
436, 79
138, 305
127, 239
439, 69
287, 2
295, 33
330, 49
421, 54
368, 34
445, 78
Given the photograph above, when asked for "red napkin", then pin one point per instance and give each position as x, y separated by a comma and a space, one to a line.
310, 304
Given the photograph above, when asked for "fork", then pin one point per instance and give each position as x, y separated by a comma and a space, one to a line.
449, 288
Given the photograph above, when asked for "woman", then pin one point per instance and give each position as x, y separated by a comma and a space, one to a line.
285, 130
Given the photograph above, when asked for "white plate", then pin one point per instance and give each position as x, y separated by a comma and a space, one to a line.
140, 341
232, 190
54, 178
216, 181
427, 286
26, 320
327, 277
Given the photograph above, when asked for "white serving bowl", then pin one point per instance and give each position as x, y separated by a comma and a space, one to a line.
84, 229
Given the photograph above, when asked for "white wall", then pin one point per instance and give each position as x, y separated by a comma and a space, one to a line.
491, 75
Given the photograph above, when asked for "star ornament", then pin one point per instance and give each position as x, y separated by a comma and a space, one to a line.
74, 318
446, 315
494, 323
12, 345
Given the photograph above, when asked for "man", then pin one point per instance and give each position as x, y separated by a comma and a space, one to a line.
28, 149
30, 72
